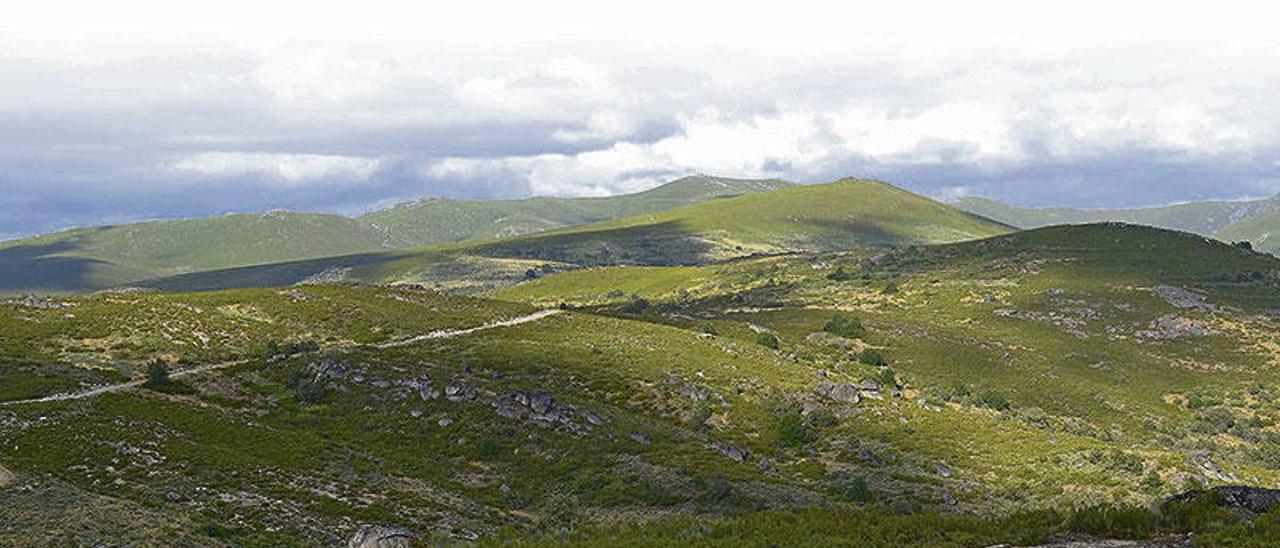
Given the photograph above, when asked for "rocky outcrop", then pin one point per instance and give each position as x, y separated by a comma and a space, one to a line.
380, 536
735, 453
1244, 500
1172, 326
6, 477
1178, 297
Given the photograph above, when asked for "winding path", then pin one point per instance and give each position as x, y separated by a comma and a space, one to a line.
440, 334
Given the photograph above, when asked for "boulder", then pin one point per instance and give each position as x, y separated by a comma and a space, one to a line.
381, 536
735, 452
640, 438
846, 393
6, 477
457, 391
941, 469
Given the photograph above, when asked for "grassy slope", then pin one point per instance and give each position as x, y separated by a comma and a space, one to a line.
98, 257
1263, 230
841, 215
437, 221
1199, 217
1095, 413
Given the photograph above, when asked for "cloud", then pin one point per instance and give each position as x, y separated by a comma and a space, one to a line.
288, 169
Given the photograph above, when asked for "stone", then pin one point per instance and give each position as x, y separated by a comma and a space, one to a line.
542, 403
846, 393
415, 413
949, 499
640, 438
457, 391
508, 408
735, 453
444, 421
1178, 297
824, 388
6, 477
1172, 326
380, 536
592, 418
869, 385
941, 469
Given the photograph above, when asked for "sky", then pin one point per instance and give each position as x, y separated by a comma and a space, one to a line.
120, 111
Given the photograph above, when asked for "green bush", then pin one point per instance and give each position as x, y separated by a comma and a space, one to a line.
839, 275
791, 429
767, 340
871, 356
992, 400
708, 328
845, 326
157, 375
855, 490
310, 391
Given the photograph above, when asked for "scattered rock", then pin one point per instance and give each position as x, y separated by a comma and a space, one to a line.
694, 392
380, 536
594, 419
1210, 468
415, 413
6, 477
1172, 326
949, 499
941, 469
640, 438
330, 275
444, 421
329, 369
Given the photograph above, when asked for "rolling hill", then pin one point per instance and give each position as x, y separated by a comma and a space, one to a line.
1205, 217
438, 220
846, 214
106, 256
1262, 230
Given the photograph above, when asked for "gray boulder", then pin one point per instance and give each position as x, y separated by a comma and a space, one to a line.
457, 391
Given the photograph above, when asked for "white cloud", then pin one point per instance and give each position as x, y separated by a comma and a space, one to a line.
288, 169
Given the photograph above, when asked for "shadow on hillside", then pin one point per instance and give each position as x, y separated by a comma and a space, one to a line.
662, 244
268, 275
25, 268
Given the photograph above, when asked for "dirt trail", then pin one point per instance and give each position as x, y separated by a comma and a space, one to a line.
441, 334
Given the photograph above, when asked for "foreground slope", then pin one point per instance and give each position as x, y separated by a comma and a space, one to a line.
438, 220
1205, 217
92, 258
976, 393
847, 214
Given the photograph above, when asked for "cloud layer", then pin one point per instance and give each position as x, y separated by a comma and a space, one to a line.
107, 127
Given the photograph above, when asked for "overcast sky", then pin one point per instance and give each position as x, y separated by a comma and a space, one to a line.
120, 111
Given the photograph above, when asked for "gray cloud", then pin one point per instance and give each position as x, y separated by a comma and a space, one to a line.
202, 131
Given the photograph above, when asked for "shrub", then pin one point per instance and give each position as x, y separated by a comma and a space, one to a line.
855, 490
791, 429
636, 306
708, 328
845, 326
871, 356
993, 400
157, 375
839, 275
767, 340
890, 288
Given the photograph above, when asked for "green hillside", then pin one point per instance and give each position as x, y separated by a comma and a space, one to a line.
847, 214
1262, 230
91, 258
1205, 217
438, 220
1016, 389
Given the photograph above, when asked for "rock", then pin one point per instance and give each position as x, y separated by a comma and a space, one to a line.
734, 452
1210, 469
594, 419
426, 392
466, 368
941, 469
329, 368
542, 403
509, 408
444, 421
949, 499
869, 385
6, 477
415, 413
1178, 297
824, 388
694, 392
640, 438
457, 391
846, 393
504, 488
1244, 500
380, 536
